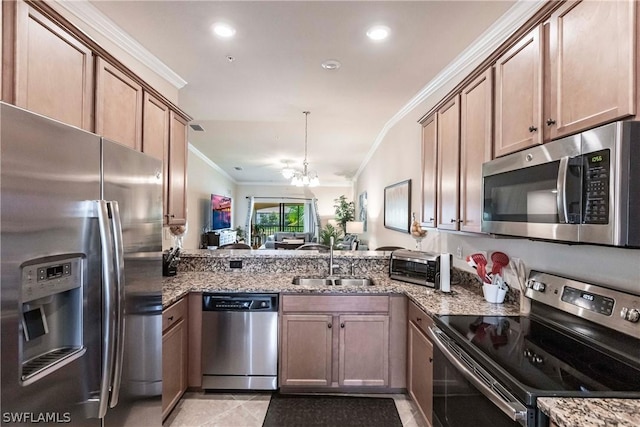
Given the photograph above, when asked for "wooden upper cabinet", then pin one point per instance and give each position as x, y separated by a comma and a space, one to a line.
53, 70
476, 129
518, 100
118, 106
593, 54
176, 209
429, 170
155, 127
448, 164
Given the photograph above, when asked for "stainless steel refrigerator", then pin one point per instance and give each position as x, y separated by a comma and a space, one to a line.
81, 251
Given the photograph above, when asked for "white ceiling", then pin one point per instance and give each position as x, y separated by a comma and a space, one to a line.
251, 108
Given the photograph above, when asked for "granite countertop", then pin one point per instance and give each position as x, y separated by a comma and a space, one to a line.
582, 412
465, 299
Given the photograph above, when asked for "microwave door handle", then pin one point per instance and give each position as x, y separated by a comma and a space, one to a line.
561, 187
515, 410
108, 304
118, 253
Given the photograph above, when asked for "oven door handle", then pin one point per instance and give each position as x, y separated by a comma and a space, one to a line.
515, 410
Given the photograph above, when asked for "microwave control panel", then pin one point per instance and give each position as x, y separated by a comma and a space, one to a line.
597, 174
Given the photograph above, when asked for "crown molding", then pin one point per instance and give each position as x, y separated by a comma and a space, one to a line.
475, 53
90, 15
210, 163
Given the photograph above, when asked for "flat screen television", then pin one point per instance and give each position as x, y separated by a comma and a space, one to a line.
220, 212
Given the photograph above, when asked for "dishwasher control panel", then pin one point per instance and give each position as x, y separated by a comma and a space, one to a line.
239, 302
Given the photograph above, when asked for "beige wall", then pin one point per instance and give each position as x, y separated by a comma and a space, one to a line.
202, 181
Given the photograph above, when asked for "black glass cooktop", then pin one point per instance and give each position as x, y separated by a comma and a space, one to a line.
542, 360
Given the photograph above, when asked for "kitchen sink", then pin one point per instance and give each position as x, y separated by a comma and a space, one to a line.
332, 281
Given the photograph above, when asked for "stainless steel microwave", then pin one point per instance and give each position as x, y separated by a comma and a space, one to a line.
584, 188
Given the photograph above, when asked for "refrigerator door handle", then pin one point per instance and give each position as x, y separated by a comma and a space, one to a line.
109, 305
116, 227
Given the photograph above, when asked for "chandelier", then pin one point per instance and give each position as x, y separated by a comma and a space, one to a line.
304, 177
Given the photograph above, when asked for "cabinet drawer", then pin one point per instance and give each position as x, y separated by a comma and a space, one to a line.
419, 317
173, 314
335, 303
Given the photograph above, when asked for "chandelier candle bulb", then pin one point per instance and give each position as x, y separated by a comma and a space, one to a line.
445, 272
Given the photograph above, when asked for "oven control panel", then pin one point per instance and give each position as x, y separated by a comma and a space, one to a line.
612, 308
588, 300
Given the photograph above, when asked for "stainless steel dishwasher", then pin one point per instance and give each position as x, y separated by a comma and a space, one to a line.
239, 341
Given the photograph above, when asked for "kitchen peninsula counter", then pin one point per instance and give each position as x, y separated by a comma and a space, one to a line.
583, 412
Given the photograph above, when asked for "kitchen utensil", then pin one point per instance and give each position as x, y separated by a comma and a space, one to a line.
471, 262
479, 258
500, 260
482, 272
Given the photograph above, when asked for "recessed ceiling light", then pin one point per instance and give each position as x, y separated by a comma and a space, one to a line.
223, 30
331, 64
378, 32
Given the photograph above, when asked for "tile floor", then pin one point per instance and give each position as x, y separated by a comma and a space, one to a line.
197, 409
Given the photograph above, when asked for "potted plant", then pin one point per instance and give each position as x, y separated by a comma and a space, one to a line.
345, 211
239, 234
327, 232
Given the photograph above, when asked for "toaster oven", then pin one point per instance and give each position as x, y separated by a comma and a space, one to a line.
421, 268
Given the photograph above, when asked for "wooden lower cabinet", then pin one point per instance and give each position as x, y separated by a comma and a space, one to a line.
346, 347
364, 350
307, 348
174, 355
420, 361
420, 378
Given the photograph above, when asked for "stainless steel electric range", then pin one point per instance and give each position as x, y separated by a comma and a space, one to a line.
579, 340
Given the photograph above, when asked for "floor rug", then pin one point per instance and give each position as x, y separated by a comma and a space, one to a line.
290, 410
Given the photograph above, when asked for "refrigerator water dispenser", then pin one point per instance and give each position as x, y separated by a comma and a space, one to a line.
51, 296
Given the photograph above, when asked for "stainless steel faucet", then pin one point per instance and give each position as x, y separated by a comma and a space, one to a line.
331, 266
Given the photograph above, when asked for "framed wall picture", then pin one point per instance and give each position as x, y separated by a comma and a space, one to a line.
397, 200
362, 213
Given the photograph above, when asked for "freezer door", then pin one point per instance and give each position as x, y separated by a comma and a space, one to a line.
134, 181
50, 273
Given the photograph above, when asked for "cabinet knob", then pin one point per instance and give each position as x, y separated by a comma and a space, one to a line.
532, 129
431, 219
329, 325
430, 359
170, 318
172, 216
453, 220
419, 319
342, 325
550, 122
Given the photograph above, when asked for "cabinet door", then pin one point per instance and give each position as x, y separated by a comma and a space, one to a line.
155, 128
53, 70
305, 351
364, 350
118, 106
174, 366
518, 101
448, 164
421, 372
475, 147
176, 209
429, 170
593, 58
